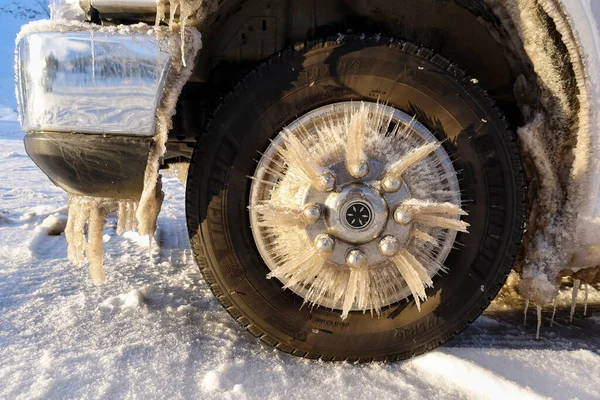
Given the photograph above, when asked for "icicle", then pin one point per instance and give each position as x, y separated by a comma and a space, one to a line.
295, 153
186, 9
179, 169
131, 220
174, 6
121, 217
539, 321
150, 200
441, 222
270, 214
148, 214
93, 212
414, 274
525, 312
305, 266
396, 170
415, 206
126, 216
425, 237
585, 304
308, 269
94, 251
355, 155
161, 6
576, 283
79, 212
350, 291
432, 214
553, 312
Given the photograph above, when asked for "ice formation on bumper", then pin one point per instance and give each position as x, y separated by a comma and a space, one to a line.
183, 44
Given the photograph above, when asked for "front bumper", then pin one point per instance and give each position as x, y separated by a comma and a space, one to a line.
88, 98
92, 165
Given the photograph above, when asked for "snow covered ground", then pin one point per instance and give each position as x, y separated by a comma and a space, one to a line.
155, 331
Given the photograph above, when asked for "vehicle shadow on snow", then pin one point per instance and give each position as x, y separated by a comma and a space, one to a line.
497, 331
506, 330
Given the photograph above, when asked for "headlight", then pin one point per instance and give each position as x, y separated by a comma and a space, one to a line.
90, 82
66, 9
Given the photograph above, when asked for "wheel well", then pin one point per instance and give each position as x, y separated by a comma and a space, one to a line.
243, 33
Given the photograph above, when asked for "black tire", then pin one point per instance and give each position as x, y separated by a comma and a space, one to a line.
414, 80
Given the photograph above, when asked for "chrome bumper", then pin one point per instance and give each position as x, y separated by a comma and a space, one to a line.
90, 82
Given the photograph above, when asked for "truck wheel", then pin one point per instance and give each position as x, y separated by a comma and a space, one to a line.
356, 199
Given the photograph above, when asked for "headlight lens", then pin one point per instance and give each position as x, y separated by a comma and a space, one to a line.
90, 82
66, 9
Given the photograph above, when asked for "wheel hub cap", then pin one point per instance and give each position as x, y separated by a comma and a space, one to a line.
355, 206
358, 214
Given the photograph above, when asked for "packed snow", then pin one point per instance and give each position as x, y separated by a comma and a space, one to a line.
154, 330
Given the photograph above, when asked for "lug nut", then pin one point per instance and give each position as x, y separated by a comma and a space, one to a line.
326, 182
359, 170
388, 246
311, 213
391, 185
356, 259
402, 217
325, 243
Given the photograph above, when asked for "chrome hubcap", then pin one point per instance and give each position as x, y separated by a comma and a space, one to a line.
355, 206
357, 214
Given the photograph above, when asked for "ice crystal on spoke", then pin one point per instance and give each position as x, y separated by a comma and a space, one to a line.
414, 274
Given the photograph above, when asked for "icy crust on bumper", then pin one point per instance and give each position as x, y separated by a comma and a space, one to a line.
182, 44
558, 142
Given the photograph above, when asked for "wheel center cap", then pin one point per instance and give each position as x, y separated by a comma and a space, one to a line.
357, 214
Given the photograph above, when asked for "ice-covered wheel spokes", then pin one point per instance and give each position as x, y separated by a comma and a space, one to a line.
355, 206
